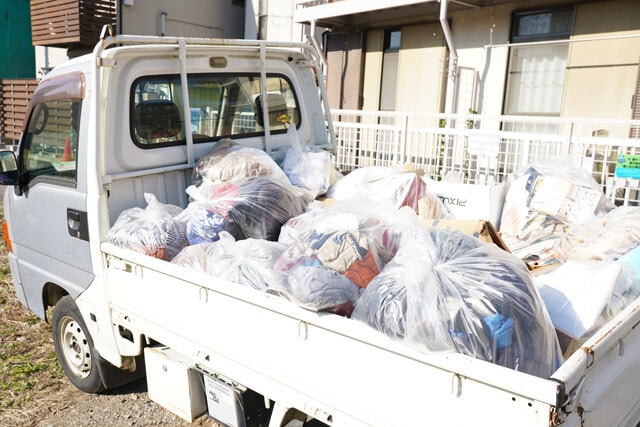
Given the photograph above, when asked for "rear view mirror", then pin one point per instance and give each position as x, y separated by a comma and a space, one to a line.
8, 168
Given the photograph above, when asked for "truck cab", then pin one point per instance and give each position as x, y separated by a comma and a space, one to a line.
132, 118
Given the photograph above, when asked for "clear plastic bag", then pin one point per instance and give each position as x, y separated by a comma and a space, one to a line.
152, 231
247, 262
381, 184
447, 291
340, 252
229, 161
253, 207
308, 167
545, 200
317, 288
606, 237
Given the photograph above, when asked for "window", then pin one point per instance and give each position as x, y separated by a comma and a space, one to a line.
51, 141
535, 80
220, 106
390, 57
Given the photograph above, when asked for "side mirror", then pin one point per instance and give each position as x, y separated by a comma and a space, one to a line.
9, 168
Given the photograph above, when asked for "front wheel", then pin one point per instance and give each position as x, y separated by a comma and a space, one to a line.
74, 347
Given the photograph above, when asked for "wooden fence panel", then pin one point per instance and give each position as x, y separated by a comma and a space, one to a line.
65, 23
14, 98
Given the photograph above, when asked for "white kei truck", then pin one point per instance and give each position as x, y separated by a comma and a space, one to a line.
104, 129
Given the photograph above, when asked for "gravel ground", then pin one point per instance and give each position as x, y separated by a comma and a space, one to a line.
126, 406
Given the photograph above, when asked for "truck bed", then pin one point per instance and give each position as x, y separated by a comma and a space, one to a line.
341, 371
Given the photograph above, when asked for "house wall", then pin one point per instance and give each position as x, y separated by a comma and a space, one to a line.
483, 66
187, 18
421, 70
421, 74
372, 70
602, 75
279, 21
47, 58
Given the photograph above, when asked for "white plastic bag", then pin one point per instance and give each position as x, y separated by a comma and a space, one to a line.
307, 166
152, 231
247, 262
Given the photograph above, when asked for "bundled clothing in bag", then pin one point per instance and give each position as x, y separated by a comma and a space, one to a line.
307, 166
229, 161
448, 291
336, 256
252, 207
247, 262
153, 231
381, 184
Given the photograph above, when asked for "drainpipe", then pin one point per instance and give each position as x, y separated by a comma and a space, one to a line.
163, 20
263, 8
452, 71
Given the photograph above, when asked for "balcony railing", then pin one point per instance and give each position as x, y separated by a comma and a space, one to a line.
479, 149
14, 97
66, 23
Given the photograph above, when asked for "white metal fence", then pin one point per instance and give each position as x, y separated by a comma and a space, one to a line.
486, 149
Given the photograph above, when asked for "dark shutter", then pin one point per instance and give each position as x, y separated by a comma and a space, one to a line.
344, 69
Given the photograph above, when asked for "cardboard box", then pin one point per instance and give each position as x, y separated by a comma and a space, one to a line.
483, 230
172, 384
469, 201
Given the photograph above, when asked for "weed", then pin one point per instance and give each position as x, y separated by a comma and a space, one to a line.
29, 370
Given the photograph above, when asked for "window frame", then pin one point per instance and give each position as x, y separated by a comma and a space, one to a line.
558, 35
186, 124
519, 43
63, 88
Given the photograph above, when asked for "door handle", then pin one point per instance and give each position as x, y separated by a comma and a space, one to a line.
77, 224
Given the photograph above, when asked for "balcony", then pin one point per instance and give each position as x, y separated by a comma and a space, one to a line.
70, 23
14, 97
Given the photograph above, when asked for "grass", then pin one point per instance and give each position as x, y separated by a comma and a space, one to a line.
32, 382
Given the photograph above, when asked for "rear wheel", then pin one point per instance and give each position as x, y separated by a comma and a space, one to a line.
74, 347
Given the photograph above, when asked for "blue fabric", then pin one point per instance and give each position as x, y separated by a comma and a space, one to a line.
204, 228
500, 329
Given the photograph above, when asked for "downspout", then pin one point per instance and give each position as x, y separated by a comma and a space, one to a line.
452, 72
263, 8
119, 17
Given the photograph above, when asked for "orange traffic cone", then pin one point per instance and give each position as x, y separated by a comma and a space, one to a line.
67, 155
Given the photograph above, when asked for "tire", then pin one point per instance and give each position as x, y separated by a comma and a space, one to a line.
74, 347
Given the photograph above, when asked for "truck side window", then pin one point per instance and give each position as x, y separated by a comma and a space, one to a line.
51, 141
220, 106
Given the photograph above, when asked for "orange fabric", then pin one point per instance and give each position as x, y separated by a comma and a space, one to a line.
362, 271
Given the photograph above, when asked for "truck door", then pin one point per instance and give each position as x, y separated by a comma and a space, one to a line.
47, 211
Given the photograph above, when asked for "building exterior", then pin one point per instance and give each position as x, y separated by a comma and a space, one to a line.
17, 58
186, 18
37, 35
564, 58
